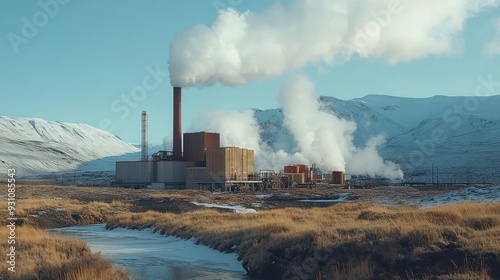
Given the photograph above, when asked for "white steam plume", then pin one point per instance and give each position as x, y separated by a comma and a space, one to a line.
240, 129
237, 129
326, 139
242, 47
493, 47
321, 138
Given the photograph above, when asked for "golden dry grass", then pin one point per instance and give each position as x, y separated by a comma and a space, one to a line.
356, 240
25, 206
49, 213
43, 256
349, 237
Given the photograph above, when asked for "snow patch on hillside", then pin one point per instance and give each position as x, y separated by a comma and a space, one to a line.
470, 194
32, 145
420, 133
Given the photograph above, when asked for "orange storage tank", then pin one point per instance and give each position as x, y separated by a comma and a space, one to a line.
304, 169
291, 169
338, 177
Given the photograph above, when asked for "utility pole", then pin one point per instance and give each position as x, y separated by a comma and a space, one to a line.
432, 174
437, 176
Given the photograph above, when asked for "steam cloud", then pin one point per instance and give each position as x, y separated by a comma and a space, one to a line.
241, 129
493, 47
242, 47
321, 138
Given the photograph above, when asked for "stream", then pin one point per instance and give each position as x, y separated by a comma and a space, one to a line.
153, 256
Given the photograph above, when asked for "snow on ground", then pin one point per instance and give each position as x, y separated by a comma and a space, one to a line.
467, 194
34, 145
154, 256
467, 149
470, 194
467, 153
263, 196
342, 197
236, 208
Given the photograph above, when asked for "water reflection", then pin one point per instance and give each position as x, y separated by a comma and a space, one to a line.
153, 256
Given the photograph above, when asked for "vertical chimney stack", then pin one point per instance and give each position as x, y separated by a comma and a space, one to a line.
177, 124
144, 136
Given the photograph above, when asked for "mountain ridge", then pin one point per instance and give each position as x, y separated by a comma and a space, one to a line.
36, 145
471, 126
413, 128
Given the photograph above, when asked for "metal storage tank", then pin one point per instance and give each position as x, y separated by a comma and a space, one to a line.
338, 177
328, 177
196, 144
304, 169
298, 178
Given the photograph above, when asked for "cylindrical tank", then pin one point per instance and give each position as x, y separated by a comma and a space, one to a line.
304, 169
338, 177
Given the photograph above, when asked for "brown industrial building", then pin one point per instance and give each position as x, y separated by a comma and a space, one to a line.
197, 161
203, 164
197, 144
300, 173
335, 178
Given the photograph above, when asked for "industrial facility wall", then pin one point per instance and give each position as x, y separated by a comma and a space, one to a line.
230, 163
298, 178
195, 145
212, 140
172, 172
300, 168
134, 171
168, 172
291, 169
196, 175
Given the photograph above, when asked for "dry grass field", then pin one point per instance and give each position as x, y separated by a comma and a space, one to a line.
357, 239
40, 255
346, 241
43, 256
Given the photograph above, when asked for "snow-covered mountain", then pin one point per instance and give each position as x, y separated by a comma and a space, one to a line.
460, 136
35, 145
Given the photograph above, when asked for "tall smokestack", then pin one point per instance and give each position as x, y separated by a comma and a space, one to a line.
144, 136
177, 124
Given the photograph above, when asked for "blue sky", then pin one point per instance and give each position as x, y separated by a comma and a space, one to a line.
90, 54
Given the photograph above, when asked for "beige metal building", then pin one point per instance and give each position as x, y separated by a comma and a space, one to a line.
297, 178
224, 167
136, 172
230, 163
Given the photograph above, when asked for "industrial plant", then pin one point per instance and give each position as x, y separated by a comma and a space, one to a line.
198, 161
